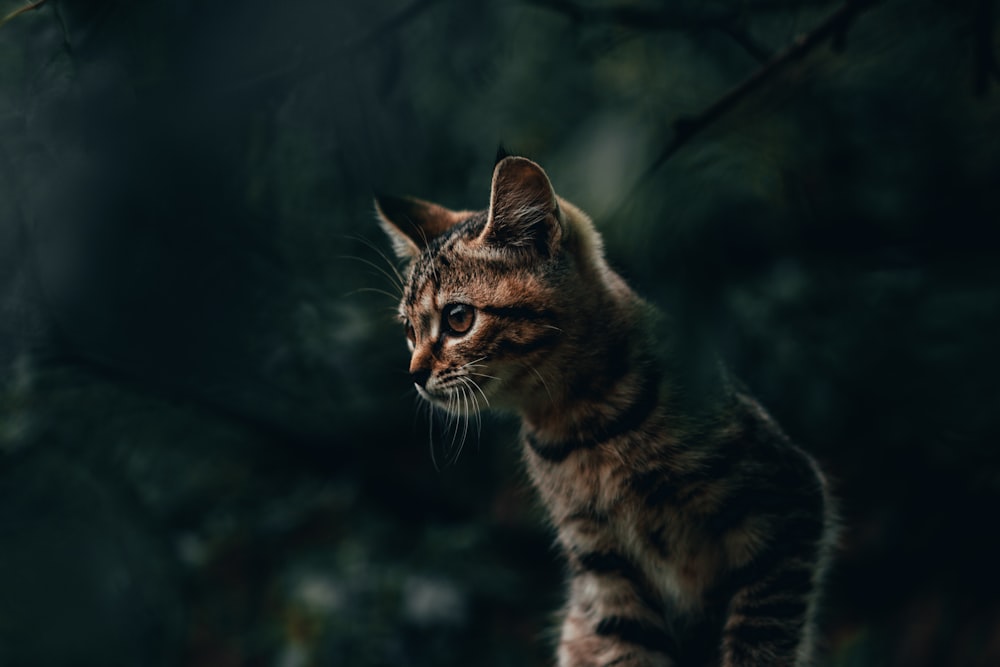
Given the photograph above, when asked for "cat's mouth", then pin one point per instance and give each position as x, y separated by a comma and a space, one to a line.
426, 395
460, 398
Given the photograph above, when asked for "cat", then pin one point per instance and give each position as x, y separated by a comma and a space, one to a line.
694, 531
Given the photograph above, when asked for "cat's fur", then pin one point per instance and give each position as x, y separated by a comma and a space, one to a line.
694, 531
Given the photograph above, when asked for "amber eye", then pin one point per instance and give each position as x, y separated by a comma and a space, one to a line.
458, 318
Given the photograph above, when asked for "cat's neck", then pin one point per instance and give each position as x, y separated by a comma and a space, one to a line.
630, 361
612, 373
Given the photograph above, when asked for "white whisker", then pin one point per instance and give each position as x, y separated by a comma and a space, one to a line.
484, 375
376, 290
396, 282
389, 262
465, 420
476, 385
452, 422
430, 435
476, 408
541, 379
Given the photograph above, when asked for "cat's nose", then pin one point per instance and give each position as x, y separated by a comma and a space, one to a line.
420, 376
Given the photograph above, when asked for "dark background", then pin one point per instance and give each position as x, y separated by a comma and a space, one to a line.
210, 452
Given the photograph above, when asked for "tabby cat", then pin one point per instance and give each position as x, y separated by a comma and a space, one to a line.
695, 532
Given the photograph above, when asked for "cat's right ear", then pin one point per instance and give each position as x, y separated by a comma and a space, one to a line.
412, 223
524, 210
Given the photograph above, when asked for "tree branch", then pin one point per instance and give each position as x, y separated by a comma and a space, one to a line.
667, 18
638, 18
834, 27
741, 36
23, 10
646, 19
727, 21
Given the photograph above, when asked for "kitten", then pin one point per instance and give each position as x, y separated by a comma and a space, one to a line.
695, 532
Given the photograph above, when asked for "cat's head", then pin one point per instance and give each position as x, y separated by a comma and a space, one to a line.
495, 300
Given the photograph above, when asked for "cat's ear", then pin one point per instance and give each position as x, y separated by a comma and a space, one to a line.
412, 223
524, 212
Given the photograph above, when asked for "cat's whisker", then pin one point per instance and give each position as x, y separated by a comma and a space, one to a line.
470, 407
484, 375
465, 420
389, 262
442, 417
476, 385
423, 236
430, 435
393, 280
475, 363
477, 410
453, 419
477, 413
376, 290
453, 427
545, 385
392, 310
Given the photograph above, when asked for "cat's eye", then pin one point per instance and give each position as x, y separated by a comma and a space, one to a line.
411, 335
458, 318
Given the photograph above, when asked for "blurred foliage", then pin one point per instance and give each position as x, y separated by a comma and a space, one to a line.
209, 451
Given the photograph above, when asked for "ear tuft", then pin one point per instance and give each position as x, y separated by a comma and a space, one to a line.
524, 211
411, 224
502, 152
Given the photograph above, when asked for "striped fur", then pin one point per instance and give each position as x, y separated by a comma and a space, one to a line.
695, 533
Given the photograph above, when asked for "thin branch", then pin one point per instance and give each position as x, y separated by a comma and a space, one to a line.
639, 18
727, 21
741, 36
23, 10
647, 19
779, 6
669, 18
834, 27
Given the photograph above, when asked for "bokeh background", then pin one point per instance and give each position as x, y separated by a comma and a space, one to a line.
210, 452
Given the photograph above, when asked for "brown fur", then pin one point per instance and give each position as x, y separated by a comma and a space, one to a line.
693, 535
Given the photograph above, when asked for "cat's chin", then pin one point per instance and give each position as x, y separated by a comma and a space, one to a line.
427, 396
441, 399
454, 403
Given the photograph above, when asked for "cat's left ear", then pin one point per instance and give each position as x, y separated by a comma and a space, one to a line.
413, 223
524, 211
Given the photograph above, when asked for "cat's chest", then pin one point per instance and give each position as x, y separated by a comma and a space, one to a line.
595, 509
591, 480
